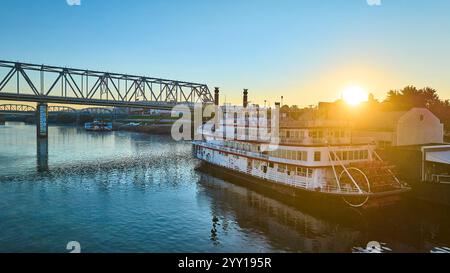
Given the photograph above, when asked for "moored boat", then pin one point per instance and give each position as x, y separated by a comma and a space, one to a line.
98, 126
318, 159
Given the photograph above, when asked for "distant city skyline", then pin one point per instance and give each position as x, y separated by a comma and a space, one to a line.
306, 51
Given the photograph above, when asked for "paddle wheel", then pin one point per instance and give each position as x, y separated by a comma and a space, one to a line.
362, 179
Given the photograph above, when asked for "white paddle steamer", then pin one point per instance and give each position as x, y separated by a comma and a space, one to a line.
310, 160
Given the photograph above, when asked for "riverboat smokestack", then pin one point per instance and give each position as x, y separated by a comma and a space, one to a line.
216, 96
245, 104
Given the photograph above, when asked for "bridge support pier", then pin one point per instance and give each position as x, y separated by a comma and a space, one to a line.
42, 154
42, 120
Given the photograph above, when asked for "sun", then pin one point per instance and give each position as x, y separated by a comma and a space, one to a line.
354, 95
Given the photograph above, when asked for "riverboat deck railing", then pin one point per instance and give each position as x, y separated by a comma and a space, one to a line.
327, 141
440, 178
286, 123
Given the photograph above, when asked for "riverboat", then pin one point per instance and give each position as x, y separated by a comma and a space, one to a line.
315, 160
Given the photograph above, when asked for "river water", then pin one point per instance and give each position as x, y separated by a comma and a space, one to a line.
133, 192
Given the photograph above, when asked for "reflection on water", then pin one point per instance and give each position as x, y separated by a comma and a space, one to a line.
131, 192
42, 154
441, 250
373, 247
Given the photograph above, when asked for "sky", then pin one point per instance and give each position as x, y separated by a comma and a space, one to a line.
304, 50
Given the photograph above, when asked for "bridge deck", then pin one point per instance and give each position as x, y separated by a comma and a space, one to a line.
81, 101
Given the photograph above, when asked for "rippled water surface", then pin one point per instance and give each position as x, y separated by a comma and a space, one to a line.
131, 192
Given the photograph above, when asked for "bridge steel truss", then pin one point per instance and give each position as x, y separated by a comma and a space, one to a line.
17, 108
61, 109
51, 84
96, 111
57, 109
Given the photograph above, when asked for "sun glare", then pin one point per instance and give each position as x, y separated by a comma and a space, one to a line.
354, 95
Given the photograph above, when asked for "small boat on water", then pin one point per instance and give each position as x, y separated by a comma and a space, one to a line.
98, 126
316, 161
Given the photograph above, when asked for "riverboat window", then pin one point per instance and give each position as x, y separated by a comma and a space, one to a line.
351, 155
281, 168
345, 155
288, 154
271, 165
273, 153
292, 155
291, 170
360, 154
320, 134
304, 156
384, 144
317, 156
365, 154
310, 173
